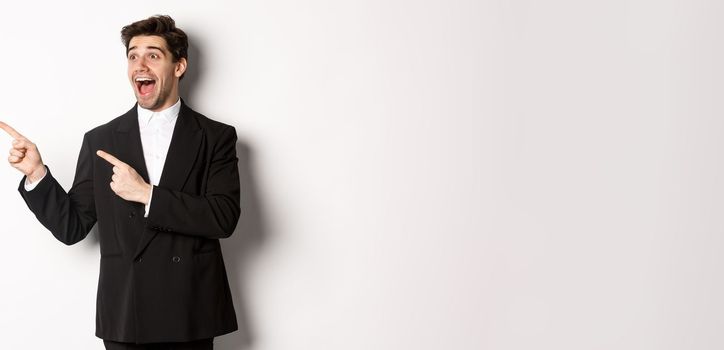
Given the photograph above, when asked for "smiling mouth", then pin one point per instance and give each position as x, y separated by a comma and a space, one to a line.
145, 86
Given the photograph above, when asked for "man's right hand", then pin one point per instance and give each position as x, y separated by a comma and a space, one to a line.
24, 155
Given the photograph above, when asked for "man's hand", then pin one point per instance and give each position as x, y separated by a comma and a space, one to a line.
24, 155
126, 182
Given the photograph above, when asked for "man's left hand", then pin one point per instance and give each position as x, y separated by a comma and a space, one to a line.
126, 182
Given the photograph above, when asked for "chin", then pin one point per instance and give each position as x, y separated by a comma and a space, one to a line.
153, 104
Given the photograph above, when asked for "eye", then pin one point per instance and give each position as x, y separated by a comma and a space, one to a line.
154, 56
131, 57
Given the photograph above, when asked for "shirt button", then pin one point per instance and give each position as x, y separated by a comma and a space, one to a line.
176, 259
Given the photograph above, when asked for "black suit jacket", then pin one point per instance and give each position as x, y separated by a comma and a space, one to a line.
162, 278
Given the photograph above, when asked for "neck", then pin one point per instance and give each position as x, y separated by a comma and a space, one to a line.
170, 101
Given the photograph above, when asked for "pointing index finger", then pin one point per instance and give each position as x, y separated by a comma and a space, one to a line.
12, 132
109, 158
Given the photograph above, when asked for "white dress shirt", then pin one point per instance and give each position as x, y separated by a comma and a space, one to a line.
156, 130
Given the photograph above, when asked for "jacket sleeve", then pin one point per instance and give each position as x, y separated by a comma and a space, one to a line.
69, 216
213, 214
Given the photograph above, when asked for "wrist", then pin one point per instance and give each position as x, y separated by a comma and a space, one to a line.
147, 194
36, 174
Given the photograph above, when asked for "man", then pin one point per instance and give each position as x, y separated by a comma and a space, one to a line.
162, 183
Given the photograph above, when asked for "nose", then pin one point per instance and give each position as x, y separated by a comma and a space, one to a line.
140, 65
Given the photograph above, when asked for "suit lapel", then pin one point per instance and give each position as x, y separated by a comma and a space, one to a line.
185, 144
182, 152
127, 143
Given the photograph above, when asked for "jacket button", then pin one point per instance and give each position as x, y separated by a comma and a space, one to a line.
131, 215
139, 259
176, 259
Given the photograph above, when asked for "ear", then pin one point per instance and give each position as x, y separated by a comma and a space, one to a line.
180, 67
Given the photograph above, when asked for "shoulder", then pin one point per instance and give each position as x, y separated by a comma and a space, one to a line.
212, 128
121, 123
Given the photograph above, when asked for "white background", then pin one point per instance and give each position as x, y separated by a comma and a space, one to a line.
422, 174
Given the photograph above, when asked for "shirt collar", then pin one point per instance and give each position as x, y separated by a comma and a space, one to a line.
169, 114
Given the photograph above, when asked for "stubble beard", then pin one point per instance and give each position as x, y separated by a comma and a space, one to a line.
154, 102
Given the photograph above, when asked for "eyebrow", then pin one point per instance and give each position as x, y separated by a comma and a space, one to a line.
150, 47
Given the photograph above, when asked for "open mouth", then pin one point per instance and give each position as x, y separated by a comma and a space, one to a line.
145, 85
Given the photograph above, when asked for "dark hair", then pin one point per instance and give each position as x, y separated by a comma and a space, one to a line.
163, 26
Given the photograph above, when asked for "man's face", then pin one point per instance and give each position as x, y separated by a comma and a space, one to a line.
153, 73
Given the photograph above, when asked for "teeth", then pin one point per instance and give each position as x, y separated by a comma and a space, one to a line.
144, 79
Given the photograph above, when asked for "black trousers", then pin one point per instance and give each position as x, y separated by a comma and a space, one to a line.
203, 344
